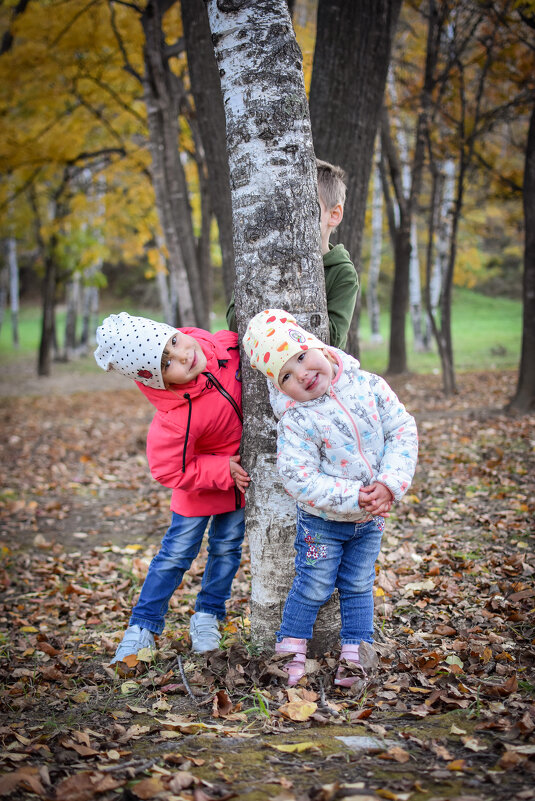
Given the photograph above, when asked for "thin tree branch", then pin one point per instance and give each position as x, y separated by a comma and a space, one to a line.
71, 22
127, 65
113, 94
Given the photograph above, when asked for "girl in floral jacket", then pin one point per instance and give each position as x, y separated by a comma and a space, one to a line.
346, 450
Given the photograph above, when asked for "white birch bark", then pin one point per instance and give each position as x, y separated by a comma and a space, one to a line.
4, 283
90, 306
443, 233
375, 250
277, 253
11, 249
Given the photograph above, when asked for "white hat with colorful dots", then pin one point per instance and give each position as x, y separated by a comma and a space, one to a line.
133, 346
273, 336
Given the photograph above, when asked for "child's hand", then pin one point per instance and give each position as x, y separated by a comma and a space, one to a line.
376, 499
238, 474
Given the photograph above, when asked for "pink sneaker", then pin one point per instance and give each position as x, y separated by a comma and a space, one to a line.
296, 666
349, 669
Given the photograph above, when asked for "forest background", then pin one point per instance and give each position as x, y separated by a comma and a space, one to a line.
91, 214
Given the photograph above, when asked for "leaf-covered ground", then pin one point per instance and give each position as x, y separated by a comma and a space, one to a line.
447, 713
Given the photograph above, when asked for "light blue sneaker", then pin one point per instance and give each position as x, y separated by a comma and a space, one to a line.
134, 639
204, 632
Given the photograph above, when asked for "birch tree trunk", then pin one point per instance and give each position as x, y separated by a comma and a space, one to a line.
443, 237
278, 259
13, 266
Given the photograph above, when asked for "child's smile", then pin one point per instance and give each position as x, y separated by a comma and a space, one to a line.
307, 375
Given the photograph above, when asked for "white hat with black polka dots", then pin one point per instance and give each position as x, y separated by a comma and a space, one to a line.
133, 346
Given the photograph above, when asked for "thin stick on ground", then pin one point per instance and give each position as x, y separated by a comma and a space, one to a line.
185, 681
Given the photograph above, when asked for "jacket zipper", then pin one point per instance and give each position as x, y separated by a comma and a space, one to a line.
221, 389
188, 397
343, 408
225, 394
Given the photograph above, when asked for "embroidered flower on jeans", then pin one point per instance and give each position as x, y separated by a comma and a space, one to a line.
312, 553
315, 550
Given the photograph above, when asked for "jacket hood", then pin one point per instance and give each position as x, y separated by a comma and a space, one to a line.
337, 254
215, 351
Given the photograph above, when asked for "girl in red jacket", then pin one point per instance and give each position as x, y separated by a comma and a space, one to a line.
192, 377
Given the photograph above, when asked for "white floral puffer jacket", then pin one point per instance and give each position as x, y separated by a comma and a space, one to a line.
328, 448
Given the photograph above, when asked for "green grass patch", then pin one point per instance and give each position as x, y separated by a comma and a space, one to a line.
29, 329
486, 332
486, 335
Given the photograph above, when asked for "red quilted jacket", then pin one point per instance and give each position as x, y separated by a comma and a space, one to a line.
196, 428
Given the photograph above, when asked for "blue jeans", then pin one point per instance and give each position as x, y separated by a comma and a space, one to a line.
180, 545
333, 554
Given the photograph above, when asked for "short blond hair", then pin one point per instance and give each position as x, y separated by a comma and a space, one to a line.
331, 184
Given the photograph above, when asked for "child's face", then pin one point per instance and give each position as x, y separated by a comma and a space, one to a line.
307, 375
185, 360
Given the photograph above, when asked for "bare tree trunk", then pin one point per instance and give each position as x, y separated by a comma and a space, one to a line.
435, 277
90, 300
47, 341
375, 251
415, 292
446, 343
48, 295
162, 98
432, 302
4, 283
351, 58
73, 304
278, 257
164, 284
524, 399
13, 288
204, 259
468, 129
407, 200
210, 116
400, 232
